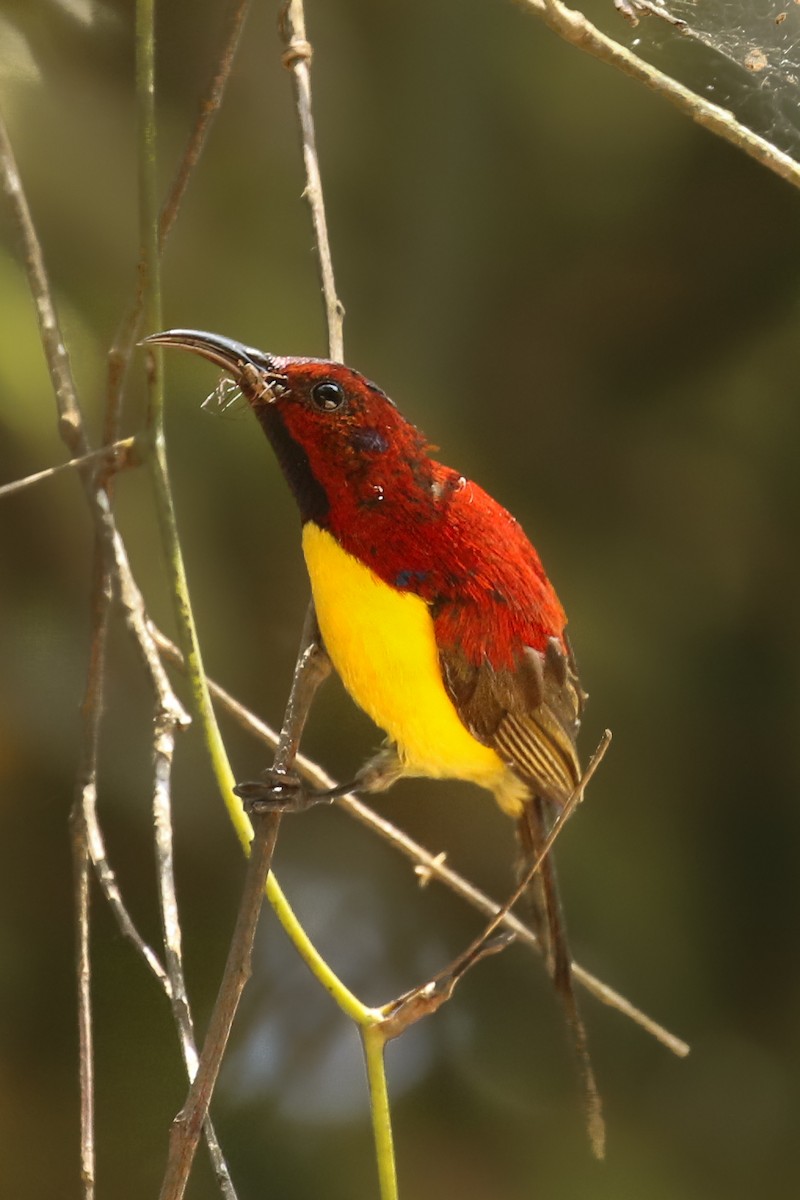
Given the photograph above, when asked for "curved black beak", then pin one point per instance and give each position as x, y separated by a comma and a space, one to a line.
231, 356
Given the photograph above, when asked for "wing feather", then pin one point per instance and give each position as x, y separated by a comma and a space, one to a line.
530, 713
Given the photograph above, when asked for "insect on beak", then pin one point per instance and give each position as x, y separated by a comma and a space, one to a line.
254, 371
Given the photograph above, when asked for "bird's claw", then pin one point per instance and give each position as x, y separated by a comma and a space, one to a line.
279, 791
275, 792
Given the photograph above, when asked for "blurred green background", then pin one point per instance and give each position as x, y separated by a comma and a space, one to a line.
592, 306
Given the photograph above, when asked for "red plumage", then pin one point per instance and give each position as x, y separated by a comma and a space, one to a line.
420, 525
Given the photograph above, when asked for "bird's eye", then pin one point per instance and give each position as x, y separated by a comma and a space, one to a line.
327, 395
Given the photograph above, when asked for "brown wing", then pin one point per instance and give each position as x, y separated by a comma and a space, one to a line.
529, 714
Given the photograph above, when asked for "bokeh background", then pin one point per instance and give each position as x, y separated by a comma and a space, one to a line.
593, 307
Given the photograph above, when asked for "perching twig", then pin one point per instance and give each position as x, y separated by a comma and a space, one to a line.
186, 1127
312, 668
433, 866
564, 815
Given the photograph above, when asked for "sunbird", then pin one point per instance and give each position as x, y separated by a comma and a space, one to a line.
434, 609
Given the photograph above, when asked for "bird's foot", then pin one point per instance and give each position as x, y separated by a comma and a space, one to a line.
280, 791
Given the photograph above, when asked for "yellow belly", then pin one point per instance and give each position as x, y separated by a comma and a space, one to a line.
381, 642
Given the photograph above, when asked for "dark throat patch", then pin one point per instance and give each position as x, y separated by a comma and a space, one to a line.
311, 497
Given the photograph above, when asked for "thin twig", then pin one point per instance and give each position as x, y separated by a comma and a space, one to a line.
69, 415
428, 998
574, 28
164, 750
186, 1127
110, 557
135, 614
72, 426
296, 59
207, 110
427, 865
165, 723
312, 668
564, 815
116, 456
85, 796
83, 970
149, 252
109, 885
124, 343
202, 1074
88, 836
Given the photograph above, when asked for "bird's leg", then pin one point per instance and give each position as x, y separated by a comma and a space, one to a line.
285, 792
382, 770
279, 789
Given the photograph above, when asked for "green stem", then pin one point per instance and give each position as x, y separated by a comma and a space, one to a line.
149, 260
374, 1052
187, 631
366, 1018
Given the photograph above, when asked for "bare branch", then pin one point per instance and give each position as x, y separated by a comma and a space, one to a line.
311, 669
427, 865
564, 815
297, 58
121, 351
208, 108
70, 422
574, 28
83, 970
429, 997
86, 791
186, 1127
72, 426
164, 750
116, 456
107, 879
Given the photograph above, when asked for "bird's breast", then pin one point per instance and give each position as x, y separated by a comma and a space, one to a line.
382, 643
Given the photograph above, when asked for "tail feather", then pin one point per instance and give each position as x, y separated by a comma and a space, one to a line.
546, 913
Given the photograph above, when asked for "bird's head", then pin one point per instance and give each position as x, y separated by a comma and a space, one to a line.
338, 437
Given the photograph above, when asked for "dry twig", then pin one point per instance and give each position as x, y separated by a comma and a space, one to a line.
575, 29
429, 865
310, 671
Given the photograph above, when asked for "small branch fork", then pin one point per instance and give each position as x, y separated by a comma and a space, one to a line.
428, 866
422, 1000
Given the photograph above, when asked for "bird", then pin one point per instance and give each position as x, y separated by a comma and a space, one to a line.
434, 609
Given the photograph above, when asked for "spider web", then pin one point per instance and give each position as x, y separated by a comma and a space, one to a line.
755, 68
